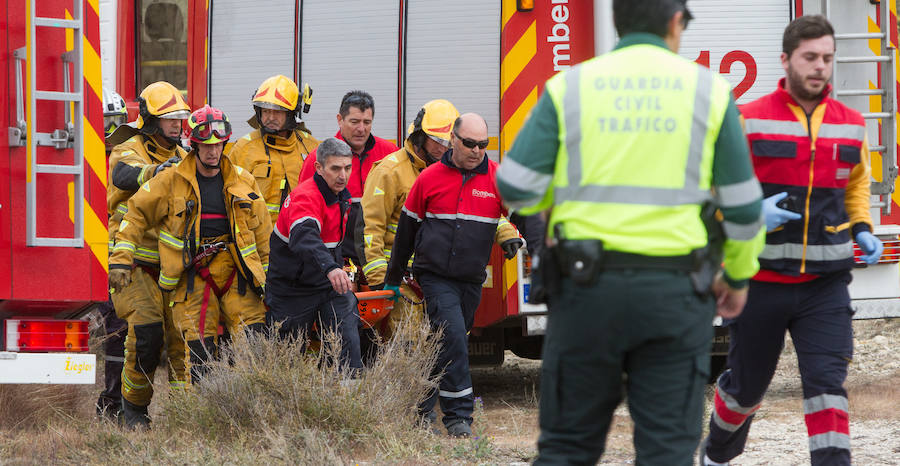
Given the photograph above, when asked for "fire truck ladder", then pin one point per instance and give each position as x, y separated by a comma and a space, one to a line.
887, 69
25, 133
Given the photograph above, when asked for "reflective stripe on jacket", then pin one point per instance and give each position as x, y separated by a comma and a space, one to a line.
450, 218
139, 156
307, 237
822, 161
274, 161
171, 203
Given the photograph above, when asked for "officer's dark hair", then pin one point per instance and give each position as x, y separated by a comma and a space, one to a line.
647, 15
359, 99
804, 28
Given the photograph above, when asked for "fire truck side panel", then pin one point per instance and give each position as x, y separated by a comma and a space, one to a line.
5, 157
62, 278
248, 43
443, 62
350, 45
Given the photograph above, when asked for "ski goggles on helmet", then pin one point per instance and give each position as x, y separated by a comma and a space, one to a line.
113, 121
211, 132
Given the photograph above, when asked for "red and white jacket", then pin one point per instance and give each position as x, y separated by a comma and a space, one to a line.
822, 161
306, 242
450, 218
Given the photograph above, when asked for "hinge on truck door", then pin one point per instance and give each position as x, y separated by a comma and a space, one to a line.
17, 133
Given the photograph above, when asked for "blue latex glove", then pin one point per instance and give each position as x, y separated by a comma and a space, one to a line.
776, 216
871, 247
395, 289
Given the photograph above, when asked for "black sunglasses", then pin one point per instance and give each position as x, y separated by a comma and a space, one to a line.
471, 143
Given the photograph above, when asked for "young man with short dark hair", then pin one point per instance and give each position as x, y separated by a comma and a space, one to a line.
805, 266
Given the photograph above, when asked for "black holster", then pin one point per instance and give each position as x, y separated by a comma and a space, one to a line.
708, 260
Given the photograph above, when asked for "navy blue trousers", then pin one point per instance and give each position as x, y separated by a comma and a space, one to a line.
334, 312
451, 306
819, 317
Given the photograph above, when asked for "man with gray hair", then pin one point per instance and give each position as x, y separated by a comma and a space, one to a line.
305, 281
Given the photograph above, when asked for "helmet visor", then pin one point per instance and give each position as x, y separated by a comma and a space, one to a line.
441, 141
111, 122
176, 115
213, 131
270, 106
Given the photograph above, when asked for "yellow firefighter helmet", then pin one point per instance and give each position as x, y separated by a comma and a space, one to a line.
277, 93
160, 100
435, 119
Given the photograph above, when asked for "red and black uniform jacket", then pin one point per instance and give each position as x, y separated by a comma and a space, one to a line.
450, 218
375, 150
821, 160
305, 244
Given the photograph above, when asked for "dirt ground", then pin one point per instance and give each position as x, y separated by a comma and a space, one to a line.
510, 396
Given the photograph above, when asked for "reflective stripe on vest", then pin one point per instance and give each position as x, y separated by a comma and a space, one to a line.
690, 193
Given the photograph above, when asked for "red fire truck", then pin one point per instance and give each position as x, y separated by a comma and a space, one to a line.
491, 58
53, 237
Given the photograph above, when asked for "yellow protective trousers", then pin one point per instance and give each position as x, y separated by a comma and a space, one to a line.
215, 297
151, 328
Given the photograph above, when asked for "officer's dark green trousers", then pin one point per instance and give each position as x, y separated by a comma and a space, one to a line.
647, 325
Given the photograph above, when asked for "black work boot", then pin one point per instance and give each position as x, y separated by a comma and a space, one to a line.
109, 408
459, 429
136, 417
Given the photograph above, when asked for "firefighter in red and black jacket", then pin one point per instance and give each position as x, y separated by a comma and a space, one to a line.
811, 156
355, 121
306, 280
451, 216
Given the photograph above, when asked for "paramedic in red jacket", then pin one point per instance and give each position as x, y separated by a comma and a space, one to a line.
450, 218
355, 128
809, 151
306, 281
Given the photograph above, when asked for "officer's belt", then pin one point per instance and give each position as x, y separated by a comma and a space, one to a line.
624, 260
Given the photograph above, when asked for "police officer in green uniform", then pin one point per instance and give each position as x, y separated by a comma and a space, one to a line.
634, 151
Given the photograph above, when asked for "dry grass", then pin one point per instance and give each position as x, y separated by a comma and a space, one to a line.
267, 401
876, 401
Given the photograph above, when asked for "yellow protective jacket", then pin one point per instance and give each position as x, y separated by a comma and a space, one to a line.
274, 161
131, 164
171, 202
382, 202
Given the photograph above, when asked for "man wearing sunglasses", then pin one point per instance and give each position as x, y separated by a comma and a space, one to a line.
354, 120
631, 273
213, 239
140, 154
385, 192
450, 220
275, 151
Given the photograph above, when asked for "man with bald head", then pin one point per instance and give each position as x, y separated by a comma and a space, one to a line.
450, 220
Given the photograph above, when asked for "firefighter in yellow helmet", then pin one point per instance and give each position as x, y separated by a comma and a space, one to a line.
146, 151
213, 240
385, 193
275, 151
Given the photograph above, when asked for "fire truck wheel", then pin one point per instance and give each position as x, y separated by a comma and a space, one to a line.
527, 347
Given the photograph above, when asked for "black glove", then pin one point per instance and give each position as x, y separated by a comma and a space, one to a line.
168, 163
511, 247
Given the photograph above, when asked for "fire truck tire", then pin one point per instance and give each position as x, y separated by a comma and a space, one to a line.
717, 364
527, 347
